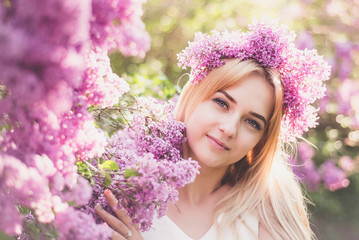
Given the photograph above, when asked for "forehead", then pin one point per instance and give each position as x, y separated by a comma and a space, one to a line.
253, 93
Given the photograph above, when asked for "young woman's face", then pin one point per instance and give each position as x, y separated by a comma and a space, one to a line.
225, 127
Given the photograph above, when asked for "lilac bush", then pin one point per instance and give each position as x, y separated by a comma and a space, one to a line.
52, 71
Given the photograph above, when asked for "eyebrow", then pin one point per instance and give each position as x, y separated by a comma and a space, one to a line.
234, 101
228, 96
259, 117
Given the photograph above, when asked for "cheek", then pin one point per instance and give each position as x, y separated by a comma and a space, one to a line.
193, 130
195, 122
245, 145
196, 129
239, 154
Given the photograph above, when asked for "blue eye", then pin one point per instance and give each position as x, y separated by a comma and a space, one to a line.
220, 102
254, 124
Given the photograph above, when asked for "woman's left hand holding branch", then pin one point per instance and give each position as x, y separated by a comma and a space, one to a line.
122, 226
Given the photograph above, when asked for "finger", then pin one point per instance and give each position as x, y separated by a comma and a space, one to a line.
114, 235
137, 226
120, 212
117, 236
111, 220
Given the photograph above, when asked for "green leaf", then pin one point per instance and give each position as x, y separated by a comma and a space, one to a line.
108, 179
23, 210
111, 165
74, 204
130, 173
84, 170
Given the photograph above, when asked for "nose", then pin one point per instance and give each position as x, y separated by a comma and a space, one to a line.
229, 127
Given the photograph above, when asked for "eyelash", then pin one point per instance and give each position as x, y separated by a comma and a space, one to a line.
254, 124
223, 104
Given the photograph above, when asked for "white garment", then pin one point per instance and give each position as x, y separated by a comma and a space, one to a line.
165, 229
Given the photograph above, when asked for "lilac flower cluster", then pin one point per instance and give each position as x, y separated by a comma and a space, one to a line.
50, 74
344, 63
304, 168
157, 133
333, 177
101, 86
150, 164
347, 99
305, 41
22, 185
117, 24
272, 46
73, 223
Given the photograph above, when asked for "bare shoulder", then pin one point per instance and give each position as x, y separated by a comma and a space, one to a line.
263, 233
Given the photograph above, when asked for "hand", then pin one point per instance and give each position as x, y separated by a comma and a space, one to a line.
122, 226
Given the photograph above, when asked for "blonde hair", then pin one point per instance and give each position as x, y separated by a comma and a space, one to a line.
262, 182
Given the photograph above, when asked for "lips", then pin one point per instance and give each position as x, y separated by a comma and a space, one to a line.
221, 145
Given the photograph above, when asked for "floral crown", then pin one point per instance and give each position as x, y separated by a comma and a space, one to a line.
302, 71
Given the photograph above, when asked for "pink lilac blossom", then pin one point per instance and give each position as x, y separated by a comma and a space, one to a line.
305, 41
150, 148
304, 167
347, 164
46, 77
324, 103
334, 178
117, 24
22, 185
302, 71
346, 93
166, 135
153, 186
101, 86
79, 133
80, 193
343, 52
73, 224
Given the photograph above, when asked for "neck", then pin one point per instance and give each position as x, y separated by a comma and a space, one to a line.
206, 184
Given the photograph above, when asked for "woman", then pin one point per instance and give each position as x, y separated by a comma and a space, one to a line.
246, 101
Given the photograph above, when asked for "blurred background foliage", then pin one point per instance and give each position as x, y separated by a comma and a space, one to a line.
330, 26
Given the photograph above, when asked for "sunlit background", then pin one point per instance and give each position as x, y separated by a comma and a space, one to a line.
329, 168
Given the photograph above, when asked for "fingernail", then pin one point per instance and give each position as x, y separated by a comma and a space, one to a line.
98, 207
108, 192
